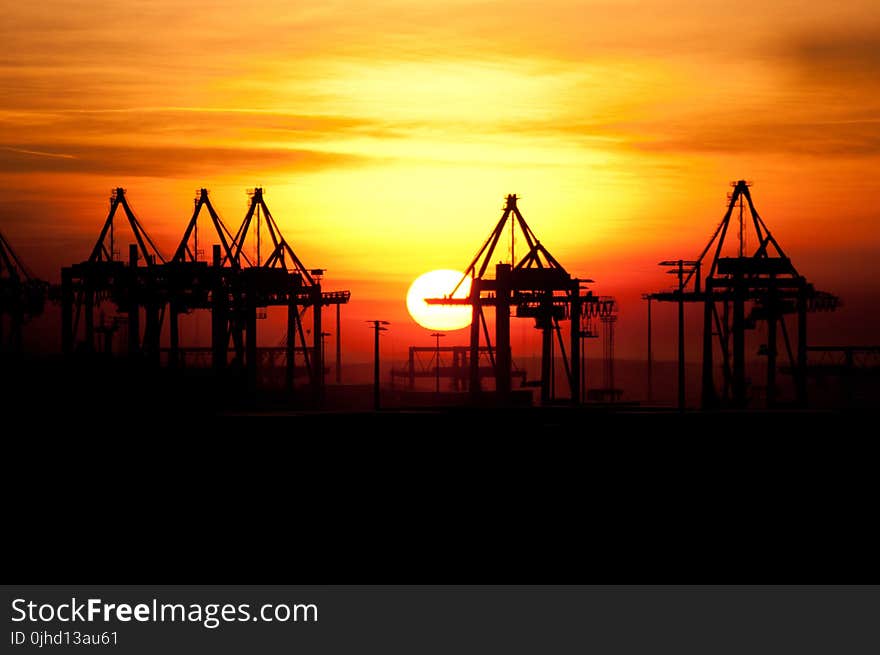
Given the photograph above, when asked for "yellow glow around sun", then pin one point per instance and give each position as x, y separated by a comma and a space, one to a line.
439, 284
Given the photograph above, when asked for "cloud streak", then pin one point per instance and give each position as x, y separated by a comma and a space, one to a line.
744, 134
168, 161
837, 56
214, 124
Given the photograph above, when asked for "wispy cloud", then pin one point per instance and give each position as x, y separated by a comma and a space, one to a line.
220, 124
38, 153
842, 57
745, 134
168, 161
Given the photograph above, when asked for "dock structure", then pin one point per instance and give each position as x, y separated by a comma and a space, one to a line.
22, 297
534, 286
757, 286
234, 287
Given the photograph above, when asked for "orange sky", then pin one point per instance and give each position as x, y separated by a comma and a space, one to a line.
386, 134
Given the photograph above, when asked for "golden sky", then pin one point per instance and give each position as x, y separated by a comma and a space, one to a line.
386, 133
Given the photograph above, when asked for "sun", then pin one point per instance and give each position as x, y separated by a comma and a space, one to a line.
437, 284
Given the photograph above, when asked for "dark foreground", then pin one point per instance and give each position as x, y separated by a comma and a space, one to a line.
120, 475
89, 391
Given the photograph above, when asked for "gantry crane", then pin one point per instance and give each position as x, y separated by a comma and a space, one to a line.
22, 296
535, 286
738, 293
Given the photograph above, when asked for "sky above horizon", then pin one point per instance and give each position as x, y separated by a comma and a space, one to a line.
387, 133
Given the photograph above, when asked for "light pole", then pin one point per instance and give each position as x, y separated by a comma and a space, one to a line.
338, 347
323, 350
377, 327
437, 336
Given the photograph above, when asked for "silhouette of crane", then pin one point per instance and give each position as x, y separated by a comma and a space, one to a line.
535, 286
22, 296
235, 286
738, 293
130, 286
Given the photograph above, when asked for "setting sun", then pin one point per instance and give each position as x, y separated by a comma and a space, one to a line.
439, 284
